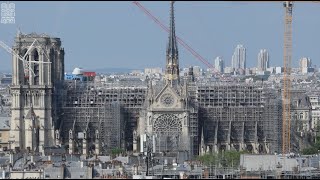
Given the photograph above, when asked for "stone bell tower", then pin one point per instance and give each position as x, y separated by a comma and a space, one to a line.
34, 95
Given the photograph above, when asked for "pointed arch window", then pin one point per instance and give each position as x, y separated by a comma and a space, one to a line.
36, 67
36, 99
24, 70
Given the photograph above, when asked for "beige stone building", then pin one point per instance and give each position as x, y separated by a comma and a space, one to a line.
4, 133
34, 90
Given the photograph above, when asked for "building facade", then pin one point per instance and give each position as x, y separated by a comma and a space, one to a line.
176, 115
305, 65
166, 116
263, 60
34, 90
239, 58
219, 64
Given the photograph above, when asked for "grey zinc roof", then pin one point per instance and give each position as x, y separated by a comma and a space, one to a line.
122, 159
105, 171
53, 172
104, 158
18, 164
72, 157
55, 150
79, 173
4, 160
266, 162
54, 158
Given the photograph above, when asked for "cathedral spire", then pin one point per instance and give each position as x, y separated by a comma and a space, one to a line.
172, 46
172, 65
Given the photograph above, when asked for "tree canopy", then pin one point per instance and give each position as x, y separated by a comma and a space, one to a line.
224, 159
313, 149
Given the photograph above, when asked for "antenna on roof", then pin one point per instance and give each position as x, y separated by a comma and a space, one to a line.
18, 31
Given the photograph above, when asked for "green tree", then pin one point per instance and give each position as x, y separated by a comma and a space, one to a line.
208, 159
310, 150
225, 159
116, 152
232, 158
315, 147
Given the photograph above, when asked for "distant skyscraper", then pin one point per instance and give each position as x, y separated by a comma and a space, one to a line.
197, 71
263, 60
219, 64
239, 58
305, 62
305, 65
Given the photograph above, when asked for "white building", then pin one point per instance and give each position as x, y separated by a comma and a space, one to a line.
263, 60
239, 58
271, 70
197, 71
184, 71
279, 70
156, 70
315, 111
305, 65
219, 64
228, 70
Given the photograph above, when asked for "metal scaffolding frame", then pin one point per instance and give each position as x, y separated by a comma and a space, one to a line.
113, 109
234, 116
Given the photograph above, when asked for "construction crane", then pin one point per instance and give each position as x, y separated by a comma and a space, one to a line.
287, 57
287, 62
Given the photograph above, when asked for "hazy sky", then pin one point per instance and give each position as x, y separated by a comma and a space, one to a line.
118, 34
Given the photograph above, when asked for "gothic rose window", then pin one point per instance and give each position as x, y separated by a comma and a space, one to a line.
167, 124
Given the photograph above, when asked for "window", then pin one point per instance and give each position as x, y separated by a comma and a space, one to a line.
0, 134
36, 68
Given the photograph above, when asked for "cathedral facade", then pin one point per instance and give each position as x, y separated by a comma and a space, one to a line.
175, 115
165, 118
38, 69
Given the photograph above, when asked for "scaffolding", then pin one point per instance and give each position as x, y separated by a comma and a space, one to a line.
194, 125
273, 119
234, 116
112, 109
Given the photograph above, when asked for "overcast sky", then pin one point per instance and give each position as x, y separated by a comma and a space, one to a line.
118, 34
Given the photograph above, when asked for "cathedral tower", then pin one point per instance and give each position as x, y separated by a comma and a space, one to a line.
34, 102
172, 63
164, 124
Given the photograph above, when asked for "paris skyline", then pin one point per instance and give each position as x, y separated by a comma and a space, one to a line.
120, 35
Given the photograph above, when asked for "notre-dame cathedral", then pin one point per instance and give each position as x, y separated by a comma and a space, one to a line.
34, 90
176, 114
168, 110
